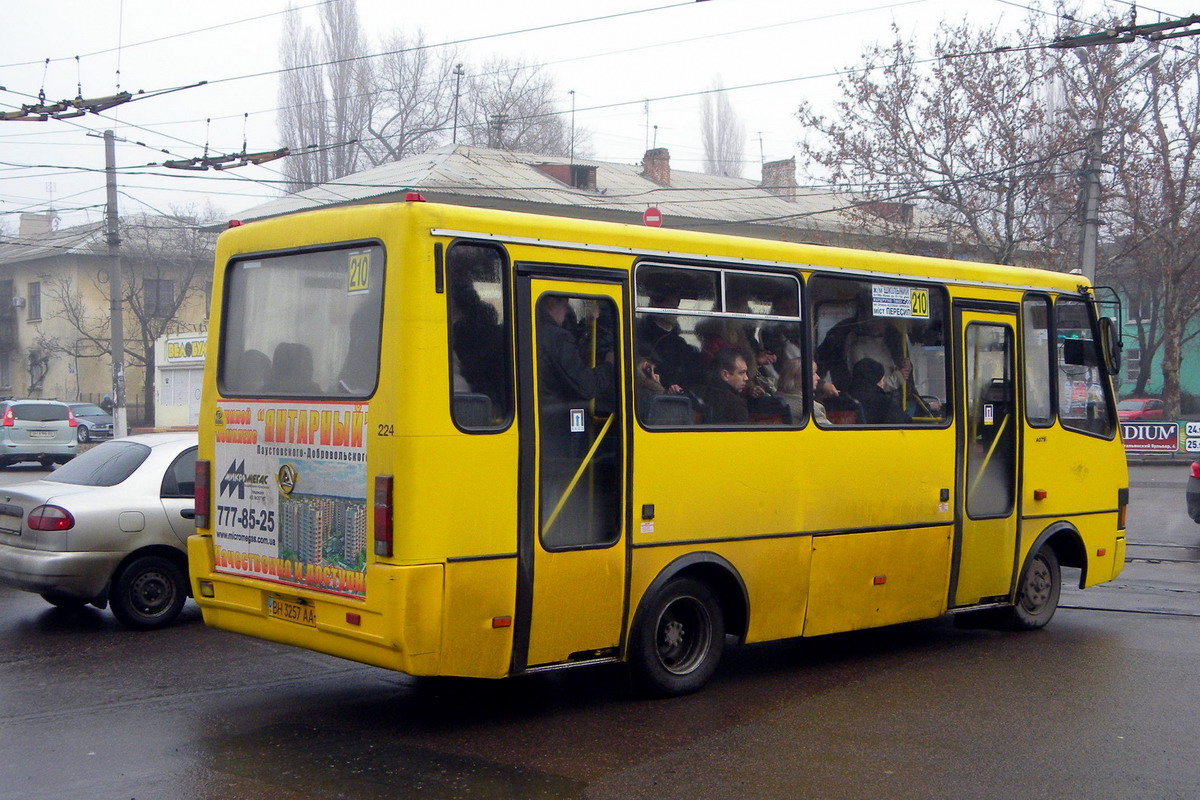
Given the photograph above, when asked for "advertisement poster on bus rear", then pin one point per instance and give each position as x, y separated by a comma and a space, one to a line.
289, 499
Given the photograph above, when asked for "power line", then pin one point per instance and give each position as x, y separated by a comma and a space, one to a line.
168, 37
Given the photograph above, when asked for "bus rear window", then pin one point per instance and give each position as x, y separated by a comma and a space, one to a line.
303, 324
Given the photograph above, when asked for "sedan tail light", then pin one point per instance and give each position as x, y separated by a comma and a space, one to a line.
1196, 469
71, 421
8, 418
51, 518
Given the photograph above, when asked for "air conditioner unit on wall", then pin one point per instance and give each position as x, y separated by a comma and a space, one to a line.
18, 302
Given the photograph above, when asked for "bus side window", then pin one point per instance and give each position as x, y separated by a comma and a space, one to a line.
882, 346
480, 354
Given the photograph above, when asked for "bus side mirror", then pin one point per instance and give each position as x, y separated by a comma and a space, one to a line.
1110, 344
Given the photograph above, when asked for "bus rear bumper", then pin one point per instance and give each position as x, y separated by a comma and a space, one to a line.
396, 626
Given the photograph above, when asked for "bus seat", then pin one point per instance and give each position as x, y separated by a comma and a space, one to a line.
472, 410
670, 409
847, 416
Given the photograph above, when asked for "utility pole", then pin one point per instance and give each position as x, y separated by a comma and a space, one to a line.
117, 344
572, 93
1091, 205
458, 74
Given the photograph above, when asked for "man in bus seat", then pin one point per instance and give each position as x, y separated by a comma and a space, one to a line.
658, 336
860, 336
253, 368
724, 394
292, 370
879, 406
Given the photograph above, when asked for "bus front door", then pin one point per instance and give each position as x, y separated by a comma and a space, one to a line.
571, 590
988, 418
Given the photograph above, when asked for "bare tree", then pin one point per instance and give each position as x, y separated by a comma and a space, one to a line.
722, 133
510, 105
166, 264
1155, 201
409, 98
971, 138
320, 96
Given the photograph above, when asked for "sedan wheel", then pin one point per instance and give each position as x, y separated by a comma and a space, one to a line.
149, 593
84, 436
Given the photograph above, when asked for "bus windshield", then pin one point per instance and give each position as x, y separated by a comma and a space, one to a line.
303, 324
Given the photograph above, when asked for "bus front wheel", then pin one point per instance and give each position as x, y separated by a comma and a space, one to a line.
677, 639
1037, 595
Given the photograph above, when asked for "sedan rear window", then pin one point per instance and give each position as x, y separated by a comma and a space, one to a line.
89, 411
106, 465
37, 412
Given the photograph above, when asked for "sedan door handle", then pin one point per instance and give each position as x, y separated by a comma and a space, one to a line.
188, 513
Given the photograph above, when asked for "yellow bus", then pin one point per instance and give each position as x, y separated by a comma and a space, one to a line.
457, 441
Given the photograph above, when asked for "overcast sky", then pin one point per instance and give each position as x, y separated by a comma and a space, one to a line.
664, 51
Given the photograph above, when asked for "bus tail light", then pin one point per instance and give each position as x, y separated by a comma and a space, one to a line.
383, 515
203, 487
1122, 505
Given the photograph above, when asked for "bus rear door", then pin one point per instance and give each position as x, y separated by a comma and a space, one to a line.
988, 418
571, 589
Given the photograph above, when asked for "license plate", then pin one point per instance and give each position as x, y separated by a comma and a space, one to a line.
41, 434
292, 612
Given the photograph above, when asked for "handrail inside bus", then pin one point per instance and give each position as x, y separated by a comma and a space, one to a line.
988, 456
587, 459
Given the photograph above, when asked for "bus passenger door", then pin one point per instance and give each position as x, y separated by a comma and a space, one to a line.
988, 418
571, 589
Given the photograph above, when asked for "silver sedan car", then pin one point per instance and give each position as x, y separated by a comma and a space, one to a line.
108, 528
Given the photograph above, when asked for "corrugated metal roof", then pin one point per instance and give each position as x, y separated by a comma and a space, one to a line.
500, 175
80, 239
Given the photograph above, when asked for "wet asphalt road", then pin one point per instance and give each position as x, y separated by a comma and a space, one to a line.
1102, 704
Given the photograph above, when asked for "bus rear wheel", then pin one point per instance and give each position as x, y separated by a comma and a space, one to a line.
677, 640
1037, 594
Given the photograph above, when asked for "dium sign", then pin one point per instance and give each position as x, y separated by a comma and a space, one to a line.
1151, 437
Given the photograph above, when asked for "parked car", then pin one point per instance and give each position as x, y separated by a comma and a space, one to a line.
1193, 493
108, 528
94, 422
36, 430
1136, 408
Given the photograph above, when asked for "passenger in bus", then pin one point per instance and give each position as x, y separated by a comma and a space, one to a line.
659, 336
292, 370
723, 395
563, 376
879, 406
863, 336
250, 376
480, 347
790, 390
881, 342
648, 383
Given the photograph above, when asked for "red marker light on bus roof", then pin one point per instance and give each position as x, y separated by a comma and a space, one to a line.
236, 223
414, 197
